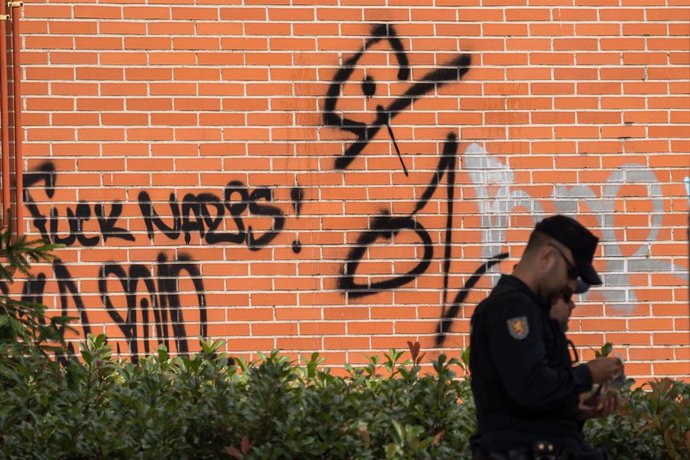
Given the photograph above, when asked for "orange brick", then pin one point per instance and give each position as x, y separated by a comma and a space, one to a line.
74, 89
670, 338
682, 324
671, 368
147, 43
483, 44
597, 29
299, 343
553, 88
650, 354
273, 329
121, 28
549, 58
194, 13
507, 59
628, 338
637, 369
569, 73
101, 134
575, 44
346, 343
667, 44
370, 327
483, 133
148, 74
98, 43
49, 42
90, 73
536, 104
554, 30
173, 119
600, 58
387, 14
645, 58
650, 324
398, 342
528, 132
528, 14
321, 328
97, 12
121, 58
676, 87
70, 28
48, 11
247, 344
75, 119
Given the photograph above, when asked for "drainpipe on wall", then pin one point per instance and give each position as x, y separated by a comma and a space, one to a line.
18, 131
17, 226
4, 116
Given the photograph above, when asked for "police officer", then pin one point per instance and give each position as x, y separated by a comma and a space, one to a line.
526, 391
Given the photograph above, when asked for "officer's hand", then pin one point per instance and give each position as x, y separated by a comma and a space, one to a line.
604, 370
599, 404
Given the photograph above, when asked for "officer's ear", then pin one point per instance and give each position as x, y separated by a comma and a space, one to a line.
547, 258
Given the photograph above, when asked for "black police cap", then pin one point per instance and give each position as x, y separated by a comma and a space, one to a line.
581, 242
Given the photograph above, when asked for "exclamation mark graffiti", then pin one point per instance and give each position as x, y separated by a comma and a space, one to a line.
297, 195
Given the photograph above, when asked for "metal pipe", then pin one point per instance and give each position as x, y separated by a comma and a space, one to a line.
18, 130
4, 115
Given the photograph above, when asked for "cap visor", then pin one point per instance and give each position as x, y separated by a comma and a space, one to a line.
582, 286
590, 275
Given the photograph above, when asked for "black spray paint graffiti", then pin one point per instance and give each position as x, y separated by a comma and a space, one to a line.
161, 298
453, 71
160, 293
201, 214
48, 226
385, 225
444, 325
152, 297
204, 213
297, 195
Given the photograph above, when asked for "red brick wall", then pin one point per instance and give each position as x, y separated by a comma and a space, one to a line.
252, 139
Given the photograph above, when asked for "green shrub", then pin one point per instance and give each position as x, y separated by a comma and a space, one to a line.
206, 407
654, 423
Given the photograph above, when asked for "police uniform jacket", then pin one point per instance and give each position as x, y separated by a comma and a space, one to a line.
523, 382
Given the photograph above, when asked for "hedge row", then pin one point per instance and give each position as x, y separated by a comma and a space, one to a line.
208, 406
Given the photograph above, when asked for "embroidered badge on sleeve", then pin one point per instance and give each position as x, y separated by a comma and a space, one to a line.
518, 327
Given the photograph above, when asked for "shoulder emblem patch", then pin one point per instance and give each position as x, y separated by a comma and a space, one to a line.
518, 327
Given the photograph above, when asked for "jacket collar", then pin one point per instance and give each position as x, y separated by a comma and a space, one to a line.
510, 280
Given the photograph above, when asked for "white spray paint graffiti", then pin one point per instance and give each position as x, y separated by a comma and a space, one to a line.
492, 182
498, 195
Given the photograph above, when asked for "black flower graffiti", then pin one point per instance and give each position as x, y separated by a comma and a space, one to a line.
386, 226
365, 131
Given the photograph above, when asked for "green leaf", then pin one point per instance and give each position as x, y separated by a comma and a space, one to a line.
605, 350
